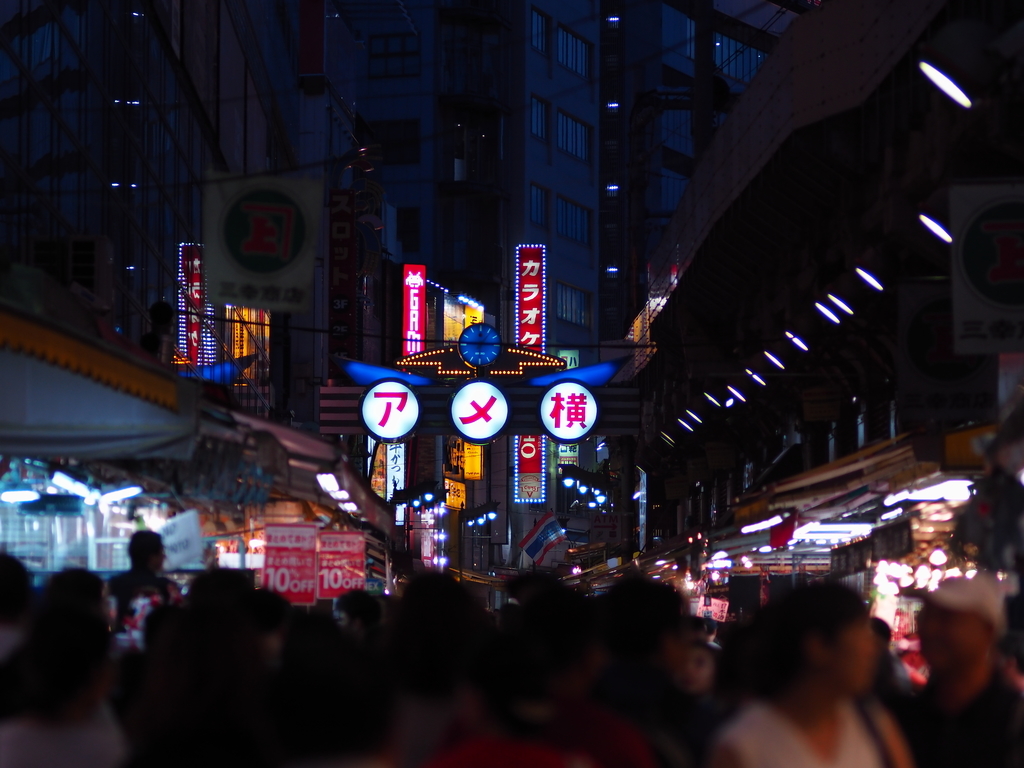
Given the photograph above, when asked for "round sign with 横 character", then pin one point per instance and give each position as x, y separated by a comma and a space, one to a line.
479, 411
568, 412
389, 410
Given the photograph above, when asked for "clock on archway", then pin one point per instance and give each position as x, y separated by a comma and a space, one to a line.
480, 344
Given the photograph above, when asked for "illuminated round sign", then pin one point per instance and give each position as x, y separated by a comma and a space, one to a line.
389, 410
568, 412
479, 411
480, 344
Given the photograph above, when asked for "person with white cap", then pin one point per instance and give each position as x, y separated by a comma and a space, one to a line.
967, 714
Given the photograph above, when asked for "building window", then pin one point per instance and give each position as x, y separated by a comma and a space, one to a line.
612, 190
538, 205
573, 221
573, 52
399, 141
573, 136
394, 55
572, 305
539, 118
540, 31
409, 229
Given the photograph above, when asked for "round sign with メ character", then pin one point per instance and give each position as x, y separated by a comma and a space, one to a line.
480, 344
568, 412
479, 411
389, 410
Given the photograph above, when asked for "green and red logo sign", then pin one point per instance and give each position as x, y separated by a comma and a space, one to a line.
992, 253
264, 230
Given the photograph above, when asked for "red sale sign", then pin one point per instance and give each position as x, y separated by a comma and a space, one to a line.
289, 565
341, 564
414, 308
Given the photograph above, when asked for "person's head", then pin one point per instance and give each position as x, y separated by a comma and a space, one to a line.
698, 677
960, 623
882, 632
436, 626
221, 589
14, 590
703, 629
563, 626
508, 686
146, 551
270, 614
67, 666
645, 623
76, 588
205, 676
328, 701
358, 612
818, 634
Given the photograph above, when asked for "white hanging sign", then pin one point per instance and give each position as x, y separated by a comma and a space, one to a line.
389, 410
568, 412
479, 411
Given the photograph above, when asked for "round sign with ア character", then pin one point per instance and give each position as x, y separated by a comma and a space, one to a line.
389, 410
568, 411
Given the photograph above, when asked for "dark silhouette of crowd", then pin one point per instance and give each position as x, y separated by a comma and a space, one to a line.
230, 675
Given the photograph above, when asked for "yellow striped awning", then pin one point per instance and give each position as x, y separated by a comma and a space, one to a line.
43, 340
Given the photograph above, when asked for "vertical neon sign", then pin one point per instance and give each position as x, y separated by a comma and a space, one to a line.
414, 301
529, 481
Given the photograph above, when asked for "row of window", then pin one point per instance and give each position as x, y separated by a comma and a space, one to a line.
572, 221
573, 52
573, 136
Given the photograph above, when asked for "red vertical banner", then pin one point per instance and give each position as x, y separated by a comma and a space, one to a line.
341, 564
531, 332
342, 278
414, 305
289, 565
190, 271
531, 296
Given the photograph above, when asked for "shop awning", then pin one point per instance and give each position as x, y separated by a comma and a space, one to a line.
66, 395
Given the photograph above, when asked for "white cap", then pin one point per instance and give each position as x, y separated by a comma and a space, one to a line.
983, 596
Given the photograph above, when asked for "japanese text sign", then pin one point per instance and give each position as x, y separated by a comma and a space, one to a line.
479, 411
190, 274
568, 412
261, 235
414, 308
342, 276
341, 564
530, 295
389, 410
529, 470
988, 267
289, 565
530, 289
454, 494
182, 536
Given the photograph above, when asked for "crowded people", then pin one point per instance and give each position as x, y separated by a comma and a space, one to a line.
967, 714
817, 660
236, 676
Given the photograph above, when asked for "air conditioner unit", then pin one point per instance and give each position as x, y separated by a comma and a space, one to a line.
84, 263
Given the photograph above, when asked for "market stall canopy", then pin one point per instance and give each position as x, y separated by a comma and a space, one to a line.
70, 391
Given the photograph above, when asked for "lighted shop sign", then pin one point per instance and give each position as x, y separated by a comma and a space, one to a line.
414, 301
529, 485
530, 290
479, 411
389, 410
568, 412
